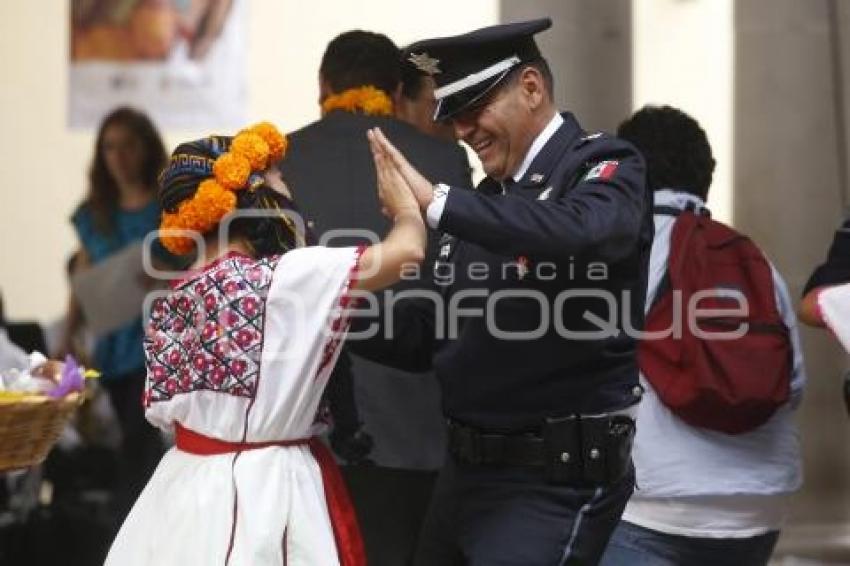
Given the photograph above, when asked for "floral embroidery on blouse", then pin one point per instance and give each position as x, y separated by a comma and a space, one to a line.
207, 334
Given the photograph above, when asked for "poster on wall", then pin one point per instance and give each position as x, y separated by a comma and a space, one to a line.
182, 61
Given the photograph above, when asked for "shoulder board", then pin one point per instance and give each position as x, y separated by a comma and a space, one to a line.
589, 138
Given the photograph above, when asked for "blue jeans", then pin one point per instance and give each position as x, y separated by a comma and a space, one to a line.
631, 545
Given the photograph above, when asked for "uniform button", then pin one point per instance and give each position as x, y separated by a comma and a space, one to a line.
594, 453
637, 391
565, 457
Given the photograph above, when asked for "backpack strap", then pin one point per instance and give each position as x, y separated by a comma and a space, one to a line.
664, 285
666, 210
662, 289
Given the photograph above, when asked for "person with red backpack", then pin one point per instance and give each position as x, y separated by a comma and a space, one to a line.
716, 450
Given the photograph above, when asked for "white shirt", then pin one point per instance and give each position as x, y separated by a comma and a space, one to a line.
834, 303
435, 210
11, 355
704, 483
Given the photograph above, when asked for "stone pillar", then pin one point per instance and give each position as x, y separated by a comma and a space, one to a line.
788, 197
589, 50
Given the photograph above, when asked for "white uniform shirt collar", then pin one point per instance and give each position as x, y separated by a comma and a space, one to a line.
538, 144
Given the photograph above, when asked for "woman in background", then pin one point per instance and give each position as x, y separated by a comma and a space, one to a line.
120, 210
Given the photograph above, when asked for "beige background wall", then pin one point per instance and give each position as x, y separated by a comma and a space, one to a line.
683, 56
589, 50
787, 196
43, 165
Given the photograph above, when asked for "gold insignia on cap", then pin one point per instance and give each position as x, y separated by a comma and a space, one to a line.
425, 63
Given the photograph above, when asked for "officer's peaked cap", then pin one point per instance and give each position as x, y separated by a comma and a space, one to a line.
466, 67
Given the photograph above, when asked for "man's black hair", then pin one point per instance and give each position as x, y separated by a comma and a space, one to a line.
359, 58
676, 149
412, 81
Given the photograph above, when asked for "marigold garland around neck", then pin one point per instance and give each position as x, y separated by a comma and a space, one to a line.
251, 152
366, 99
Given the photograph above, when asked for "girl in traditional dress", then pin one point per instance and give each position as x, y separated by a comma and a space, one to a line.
238, 354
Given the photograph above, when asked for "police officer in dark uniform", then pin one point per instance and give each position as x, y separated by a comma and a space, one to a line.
541, 278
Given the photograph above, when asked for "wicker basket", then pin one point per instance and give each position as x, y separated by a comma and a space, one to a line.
30, 426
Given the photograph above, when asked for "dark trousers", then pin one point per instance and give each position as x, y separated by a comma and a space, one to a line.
632, 545
511, 516
390, 505
141, 443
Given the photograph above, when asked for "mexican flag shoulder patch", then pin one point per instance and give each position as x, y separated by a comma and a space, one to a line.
604, 170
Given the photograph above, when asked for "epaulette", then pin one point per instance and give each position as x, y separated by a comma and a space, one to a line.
587, 138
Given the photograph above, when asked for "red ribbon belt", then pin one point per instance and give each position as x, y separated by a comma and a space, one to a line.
349, 542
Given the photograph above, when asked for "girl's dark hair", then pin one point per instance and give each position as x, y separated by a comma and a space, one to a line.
279, 229
102, 199
273, 234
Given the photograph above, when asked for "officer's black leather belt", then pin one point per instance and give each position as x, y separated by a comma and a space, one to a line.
472, 446
574, 450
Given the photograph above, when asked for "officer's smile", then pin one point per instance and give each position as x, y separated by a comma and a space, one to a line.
481, 146
496, 131
488, 151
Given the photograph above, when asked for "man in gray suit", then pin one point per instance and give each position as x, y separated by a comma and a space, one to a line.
329, 168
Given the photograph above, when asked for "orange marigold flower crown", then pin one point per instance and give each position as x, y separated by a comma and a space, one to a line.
367, 99
251, 151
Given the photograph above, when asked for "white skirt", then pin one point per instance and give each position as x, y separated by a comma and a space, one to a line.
261, 507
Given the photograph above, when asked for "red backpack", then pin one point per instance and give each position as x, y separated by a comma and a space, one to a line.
733, 385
